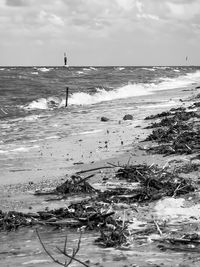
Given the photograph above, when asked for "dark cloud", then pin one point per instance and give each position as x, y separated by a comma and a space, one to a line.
16, 3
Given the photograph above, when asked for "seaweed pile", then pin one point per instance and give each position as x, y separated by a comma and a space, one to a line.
172, 118
12, 220
96, 213
76, 184
155, 182
177, 133
76, 215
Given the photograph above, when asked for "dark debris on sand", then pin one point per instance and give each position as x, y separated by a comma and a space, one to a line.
95, 213
178, 132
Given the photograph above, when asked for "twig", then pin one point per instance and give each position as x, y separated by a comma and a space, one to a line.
128, 161
176, 190
114, 165
75, 251
84, 179
47, 252
63, 252
94, 169
158, 228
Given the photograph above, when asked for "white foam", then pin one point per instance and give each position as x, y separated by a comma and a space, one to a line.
35, 72
18, 149
178, 82
92, 68
88, 132
38, 104
44, 69
149, 69
23, 149
161, 67
44, 103
31, 118
120, 68
126, 91
132, 90
173, 209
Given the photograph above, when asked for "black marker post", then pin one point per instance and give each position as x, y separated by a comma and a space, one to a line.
67, 95
65, 59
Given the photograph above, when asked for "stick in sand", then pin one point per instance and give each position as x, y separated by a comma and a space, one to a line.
67, 95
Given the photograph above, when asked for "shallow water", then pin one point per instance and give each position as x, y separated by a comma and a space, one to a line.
32, 103
22, 248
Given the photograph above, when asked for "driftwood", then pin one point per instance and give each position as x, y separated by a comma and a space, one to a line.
74, 184
94, 169
64, 252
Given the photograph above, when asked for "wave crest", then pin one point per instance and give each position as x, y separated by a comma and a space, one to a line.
45, 103
126, 91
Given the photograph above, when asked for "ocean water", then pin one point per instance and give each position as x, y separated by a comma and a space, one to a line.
32, 99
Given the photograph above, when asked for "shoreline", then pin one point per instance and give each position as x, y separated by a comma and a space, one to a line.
105, 147
175, 214
55, 158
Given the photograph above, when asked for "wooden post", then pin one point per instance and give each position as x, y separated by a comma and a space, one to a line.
67, 94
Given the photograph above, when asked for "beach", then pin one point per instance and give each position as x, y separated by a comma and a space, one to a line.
50, 161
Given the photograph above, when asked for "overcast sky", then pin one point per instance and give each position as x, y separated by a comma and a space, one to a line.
99, 32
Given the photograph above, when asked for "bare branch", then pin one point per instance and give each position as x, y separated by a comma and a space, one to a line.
64, 252
94, 169
47, 252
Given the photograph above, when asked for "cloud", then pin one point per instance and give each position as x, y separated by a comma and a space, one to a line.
147, 16
86, 24
52, 19
126, 4
17, 3
186, 11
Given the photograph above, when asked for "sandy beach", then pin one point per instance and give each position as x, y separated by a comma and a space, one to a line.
121, 144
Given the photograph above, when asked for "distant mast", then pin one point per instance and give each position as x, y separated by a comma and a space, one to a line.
65, 60
186, 59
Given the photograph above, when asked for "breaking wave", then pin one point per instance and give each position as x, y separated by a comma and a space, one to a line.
44, 103
101, 95
126, 91
44, 69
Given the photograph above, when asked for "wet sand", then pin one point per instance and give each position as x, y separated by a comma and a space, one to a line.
55, 159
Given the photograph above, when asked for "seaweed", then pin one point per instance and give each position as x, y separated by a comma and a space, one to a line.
177, 134
174, 119
154, 182
75, 184
113, 238
160, 115
185, 143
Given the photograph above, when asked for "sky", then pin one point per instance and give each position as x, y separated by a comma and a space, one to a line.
99, 32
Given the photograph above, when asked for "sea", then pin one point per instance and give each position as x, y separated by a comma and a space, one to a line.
33, 99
